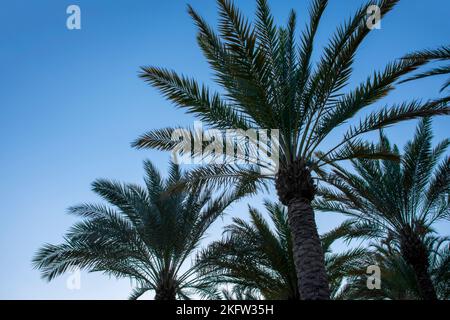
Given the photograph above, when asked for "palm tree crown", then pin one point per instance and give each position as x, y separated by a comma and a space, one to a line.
146, 237
396, 201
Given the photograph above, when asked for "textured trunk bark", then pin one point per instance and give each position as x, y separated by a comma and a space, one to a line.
307, 251
415, 253
426, 286
165, 294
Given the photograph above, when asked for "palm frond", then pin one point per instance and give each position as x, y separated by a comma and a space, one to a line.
439, 54
187, 93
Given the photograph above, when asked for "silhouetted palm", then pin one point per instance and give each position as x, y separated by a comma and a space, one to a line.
146, 237
398, 279
257, 259
269, 82
396, 202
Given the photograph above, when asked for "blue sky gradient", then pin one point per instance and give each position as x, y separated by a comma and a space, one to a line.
71, 103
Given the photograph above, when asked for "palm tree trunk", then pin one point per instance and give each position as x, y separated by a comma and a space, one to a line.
416, 254
307, 251
426, 286
296, 189
165, 293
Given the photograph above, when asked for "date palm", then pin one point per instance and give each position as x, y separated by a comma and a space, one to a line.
397, 202
269, 82
257, 259
146, 235
398, 280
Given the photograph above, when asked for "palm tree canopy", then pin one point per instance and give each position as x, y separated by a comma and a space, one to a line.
396, 202
385, 197
398, 280
256, 256
145, 235
269, 82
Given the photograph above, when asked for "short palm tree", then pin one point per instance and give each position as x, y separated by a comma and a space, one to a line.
257, 259
398, 279
269, 82
146, 237
396, 201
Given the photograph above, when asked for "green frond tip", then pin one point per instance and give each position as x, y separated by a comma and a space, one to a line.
187, 93
439, 54
160, 139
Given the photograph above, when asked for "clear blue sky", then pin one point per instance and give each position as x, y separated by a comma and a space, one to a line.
71, 103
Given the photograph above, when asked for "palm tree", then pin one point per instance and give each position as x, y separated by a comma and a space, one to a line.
257, 259
269, 83
439, 54
398, 279
394, 201
146, 237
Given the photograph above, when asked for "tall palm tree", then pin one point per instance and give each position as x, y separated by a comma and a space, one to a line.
396, 201
269, 83
398, 280
147, 235
257, 259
